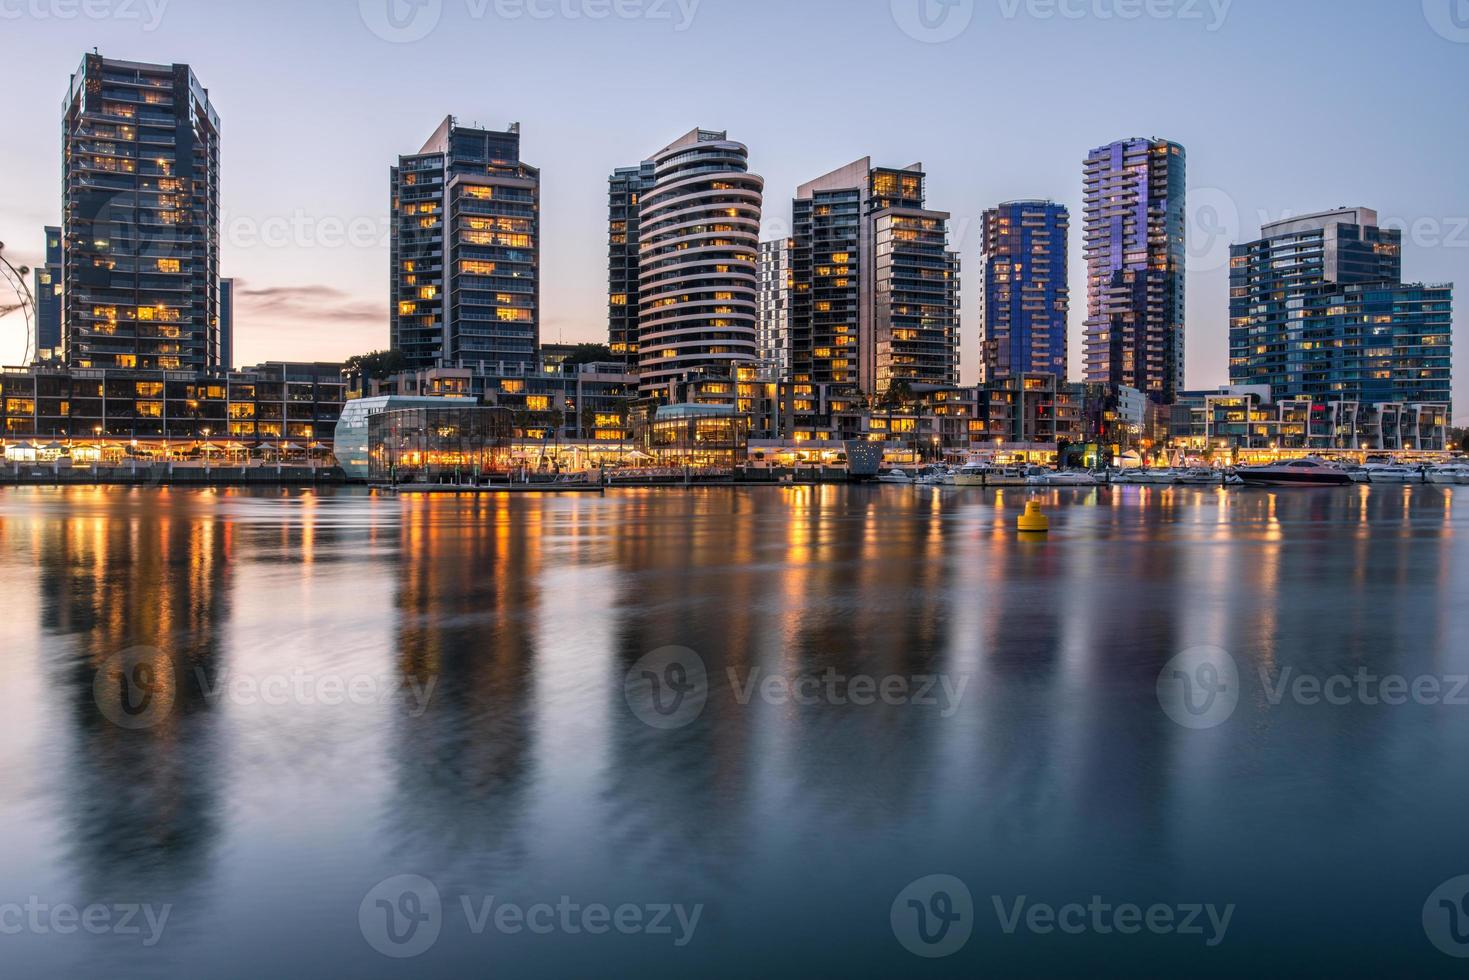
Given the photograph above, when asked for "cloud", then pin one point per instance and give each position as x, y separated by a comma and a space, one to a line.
313, 302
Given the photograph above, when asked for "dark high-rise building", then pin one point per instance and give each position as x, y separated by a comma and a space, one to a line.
48, 292
625, 190
227, 324
1025, 300
141, 218
466, 250
1135, 222
874, 288
698, 243
1318, 309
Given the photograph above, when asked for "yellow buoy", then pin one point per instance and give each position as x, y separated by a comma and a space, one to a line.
1033, 520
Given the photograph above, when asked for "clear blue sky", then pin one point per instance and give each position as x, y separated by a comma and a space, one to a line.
1283, 105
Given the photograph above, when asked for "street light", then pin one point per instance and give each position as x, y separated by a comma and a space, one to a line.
27, 305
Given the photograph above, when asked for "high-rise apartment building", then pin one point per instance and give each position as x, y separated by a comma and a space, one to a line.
1319, 310
698, 246
48, 278
141, 218
1024, 299
874, 287
625, 190
466, 250
774, 304
1135, 225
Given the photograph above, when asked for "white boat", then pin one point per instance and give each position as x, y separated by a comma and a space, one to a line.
984, 475
1202, 476
1128, 478
895, 476
1038, 477
936, 476
1451, 473
1394, 474
1160, 477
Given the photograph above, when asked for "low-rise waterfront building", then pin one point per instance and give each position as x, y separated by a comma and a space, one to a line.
1250, 418
278, 407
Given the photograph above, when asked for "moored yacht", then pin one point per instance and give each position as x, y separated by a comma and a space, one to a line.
1038, 477
1451, 473
1295, 473
1394, 474
984, 475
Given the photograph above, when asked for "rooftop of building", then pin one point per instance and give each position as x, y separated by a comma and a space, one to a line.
1320, 220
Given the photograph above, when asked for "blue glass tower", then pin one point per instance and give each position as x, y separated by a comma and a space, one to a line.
1025, 300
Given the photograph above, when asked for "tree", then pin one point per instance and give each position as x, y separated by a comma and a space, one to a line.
898, 395
379, 365
1460, 438
590, 354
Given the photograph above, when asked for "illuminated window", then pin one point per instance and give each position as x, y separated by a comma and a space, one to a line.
168, 265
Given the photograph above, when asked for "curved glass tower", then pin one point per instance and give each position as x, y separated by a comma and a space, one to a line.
699, 242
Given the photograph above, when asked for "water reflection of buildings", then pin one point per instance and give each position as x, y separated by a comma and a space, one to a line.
802, 582
120, 572
469, 574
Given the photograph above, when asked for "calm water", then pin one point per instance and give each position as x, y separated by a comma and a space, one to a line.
256, 708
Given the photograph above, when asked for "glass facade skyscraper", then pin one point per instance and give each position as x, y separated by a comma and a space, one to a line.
1318, 310
466, 251
48, 292
1024, 298
625, 190
141, 218
874, 288
775, 305
1135, 224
